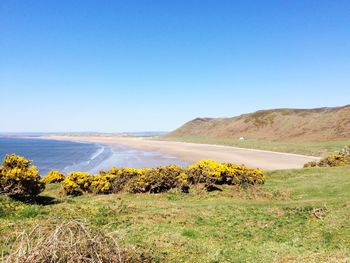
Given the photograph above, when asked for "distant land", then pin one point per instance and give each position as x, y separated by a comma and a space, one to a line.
118, 134
309, 125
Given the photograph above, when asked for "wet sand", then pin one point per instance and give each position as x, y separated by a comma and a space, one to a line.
193, 152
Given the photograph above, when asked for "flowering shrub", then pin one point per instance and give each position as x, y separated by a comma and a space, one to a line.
19, 178
122, 176
234, 173
250, 176
77, 183
342, 158
211, 172
162, 178
207, 171
338, 159
102, 183
183, 182
53, 177
157, 180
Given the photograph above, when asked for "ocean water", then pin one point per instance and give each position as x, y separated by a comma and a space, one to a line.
67, 156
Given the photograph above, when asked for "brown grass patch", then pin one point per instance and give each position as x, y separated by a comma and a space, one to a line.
256, 193
276, 211
70, 242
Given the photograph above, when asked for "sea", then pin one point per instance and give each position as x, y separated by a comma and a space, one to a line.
68, 156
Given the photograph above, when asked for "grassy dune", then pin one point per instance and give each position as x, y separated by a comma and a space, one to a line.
321, 124
306, 148
297, 216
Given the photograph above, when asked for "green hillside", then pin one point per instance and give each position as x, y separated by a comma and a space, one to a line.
297, 216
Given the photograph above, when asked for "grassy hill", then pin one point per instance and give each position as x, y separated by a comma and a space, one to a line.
297, 216
306, 131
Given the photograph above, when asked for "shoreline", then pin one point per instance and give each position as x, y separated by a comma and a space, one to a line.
63, 155
193, 152
119, 155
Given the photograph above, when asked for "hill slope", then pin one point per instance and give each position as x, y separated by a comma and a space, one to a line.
321, 124
296, 216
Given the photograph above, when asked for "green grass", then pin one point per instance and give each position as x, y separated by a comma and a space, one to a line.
306, 148
297, 216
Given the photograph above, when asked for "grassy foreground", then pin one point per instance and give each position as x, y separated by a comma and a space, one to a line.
307, 148
297, 216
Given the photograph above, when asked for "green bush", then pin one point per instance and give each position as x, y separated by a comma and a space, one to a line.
19, 178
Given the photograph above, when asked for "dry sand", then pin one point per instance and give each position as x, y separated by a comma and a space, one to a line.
192, 152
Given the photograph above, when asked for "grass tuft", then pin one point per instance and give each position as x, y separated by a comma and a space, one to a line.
69, 242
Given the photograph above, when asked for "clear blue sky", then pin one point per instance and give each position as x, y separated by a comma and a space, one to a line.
153, 65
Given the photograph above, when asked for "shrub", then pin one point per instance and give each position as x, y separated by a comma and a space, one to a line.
234, 173
122, 176
206, 171
183, 182
19, 178
251, 176
338, 159
210, 173
157, 180
102, 183
76, 183
310, 164
162, 178
342, 158
53, 177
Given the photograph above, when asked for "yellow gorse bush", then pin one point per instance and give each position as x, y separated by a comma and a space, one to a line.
122, 176
162, 178
206, 171
102, 183
156, 180
210, 172
342, 158
19, 178
53, 177
77, 183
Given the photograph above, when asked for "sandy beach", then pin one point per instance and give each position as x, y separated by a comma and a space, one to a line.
192, 152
